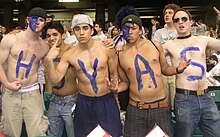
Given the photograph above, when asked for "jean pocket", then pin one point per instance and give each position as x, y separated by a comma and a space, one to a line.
180, 97
44, 124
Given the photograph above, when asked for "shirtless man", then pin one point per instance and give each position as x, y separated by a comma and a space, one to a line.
92, 63
193, 107
141, 63
65, 93
22, 53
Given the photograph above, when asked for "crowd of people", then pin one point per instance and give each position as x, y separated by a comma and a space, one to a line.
83, 73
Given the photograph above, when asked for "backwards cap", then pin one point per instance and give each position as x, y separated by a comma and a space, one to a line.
37, 11
132, 19
83, 19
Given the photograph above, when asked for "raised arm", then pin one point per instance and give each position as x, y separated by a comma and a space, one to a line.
5, 48
56, 74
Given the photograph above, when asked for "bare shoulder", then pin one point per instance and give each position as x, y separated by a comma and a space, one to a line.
9, 40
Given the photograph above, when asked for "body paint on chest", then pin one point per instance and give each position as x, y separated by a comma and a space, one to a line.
191, 77
139, 73
27, 66
90, 77
62, 82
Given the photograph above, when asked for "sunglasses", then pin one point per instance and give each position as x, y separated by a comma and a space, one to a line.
184, 19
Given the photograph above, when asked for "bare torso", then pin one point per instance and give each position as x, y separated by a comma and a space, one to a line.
147, 87
91, 69
68, 85
24, 58
193, 77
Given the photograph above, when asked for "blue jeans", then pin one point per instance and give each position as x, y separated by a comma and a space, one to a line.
60, 115
192, 111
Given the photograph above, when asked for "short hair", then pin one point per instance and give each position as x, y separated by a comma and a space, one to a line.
172, 6
57, 26
184, 10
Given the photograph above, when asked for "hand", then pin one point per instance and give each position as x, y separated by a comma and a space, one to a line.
112, 85
109, 43
14, 86
218, 12
54, 51
183, 64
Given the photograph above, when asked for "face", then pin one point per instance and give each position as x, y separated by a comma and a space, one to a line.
168, 14
182, 23
97, 27
83, 33
52, 36
36, 23
115, 32
131, 32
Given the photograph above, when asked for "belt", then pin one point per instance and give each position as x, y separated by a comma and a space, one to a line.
199, 92
145, 105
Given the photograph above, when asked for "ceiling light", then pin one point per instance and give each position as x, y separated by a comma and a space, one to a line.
68, 0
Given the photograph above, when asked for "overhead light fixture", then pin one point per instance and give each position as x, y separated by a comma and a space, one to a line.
68, 0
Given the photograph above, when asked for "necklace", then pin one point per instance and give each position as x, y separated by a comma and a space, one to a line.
184, 37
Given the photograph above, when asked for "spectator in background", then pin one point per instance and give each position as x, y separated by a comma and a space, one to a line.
66, 32
211, 60
115, 31
100, 35
49, 19
153, 28
202, 29
194, 29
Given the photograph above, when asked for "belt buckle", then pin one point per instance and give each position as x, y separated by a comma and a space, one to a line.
200, 92
139, 105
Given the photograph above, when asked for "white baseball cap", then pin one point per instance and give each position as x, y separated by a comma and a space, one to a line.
82, 19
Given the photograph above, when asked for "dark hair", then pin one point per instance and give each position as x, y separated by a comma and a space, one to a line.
184, 10
57, 26
172, 6
1, 36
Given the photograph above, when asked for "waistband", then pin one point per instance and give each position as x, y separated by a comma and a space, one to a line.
109, 95
65, 97
146, 105
29, 88
199, 92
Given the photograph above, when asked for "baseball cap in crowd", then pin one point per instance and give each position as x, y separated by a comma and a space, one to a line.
83, 19
37, 11
50, 16
132, 19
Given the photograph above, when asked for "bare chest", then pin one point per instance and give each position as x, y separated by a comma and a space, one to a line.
26, 52
86, 62
142, 60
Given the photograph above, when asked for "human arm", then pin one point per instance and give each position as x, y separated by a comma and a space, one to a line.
170, 70
217, 12
108, 43
5, 49
56, 74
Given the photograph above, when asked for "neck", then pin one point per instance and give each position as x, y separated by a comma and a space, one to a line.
88, 45
184, 37
32, 35
170, 26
